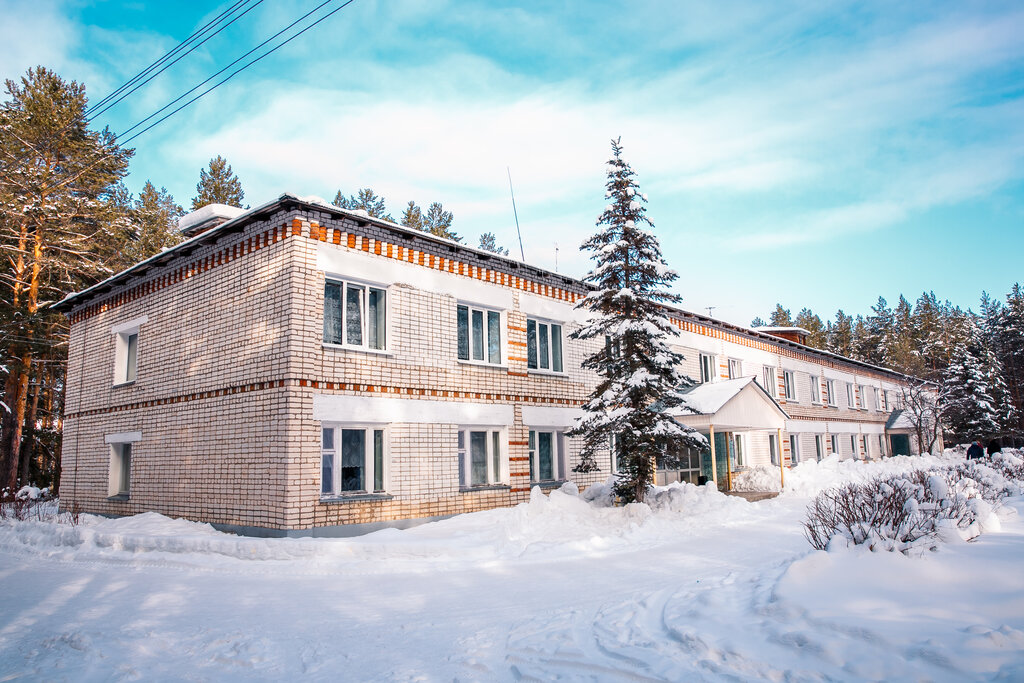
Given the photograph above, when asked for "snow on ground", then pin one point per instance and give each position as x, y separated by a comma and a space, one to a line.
694, 586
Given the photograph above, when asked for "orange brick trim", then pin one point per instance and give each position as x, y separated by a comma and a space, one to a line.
517, 343
517, 374
517, 329
521, 360
224, 256
329, 386
525, 458
518, 443
520, 489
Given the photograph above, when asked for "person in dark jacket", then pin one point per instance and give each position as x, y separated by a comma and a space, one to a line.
976, 450
993, 447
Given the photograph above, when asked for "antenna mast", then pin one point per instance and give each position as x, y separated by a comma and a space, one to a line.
511, 192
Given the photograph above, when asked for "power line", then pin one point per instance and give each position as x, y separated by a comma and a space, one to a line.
166, 56
192, 90
207, 91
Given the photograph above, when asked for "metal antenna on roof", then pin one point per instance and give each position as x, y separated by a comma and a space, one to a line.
711, 308
556, 257
521, 252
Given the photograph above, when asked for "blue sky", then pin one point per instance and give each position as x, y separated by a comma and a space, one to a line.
814, 154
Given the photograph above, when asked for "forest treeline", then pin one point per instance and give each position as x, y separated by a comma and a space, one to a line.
975, 359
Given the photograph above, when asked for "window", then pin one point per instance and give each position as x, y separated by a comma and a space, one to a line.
740, 458
881, 445
735, 368
862, 392
851, 399
546, 462
120, 481
867, 451
819, 447
481, 461
126, 350
352, 460
543, 345
878, 400
479, 334
769, 380
707, 368
885, 399
773, 449
789, 384
853, 447
794, 448
834, 438
830, 392
815, 389
355, 315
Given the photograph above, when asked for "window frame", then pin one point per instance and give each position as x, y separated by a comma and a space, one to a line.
369, 430
735, 368
815, 389
772, 383
558, 462
497, 467
851, 396
126, 350
550, 324
773, 450
819, 447
830, 393
705, 366
794, 449
367, 286
485, 313
862, 391
853, 446
789, 385
119, 479
834, 442
740, 449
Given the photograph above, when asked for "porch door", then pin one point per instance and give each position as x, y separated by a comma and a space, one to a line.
723, 456
900, 444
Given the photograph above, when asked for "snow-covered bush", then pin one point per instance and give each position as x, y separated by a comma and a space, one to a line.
917, 509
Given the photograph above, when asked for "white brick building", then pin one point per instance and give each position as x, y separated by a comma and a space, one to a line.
300, 368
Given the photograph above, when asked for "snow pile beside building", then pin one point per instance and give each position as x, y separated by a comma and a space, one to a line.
811, 477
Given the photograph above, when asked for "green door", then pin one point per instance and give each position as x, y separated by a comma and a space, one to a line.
900, 444
723, 454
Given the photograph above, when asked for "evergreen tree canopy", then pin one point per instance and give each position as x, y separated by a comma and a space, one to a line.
436, 220
758, 322
412, 217
639, 373
366, 200
976, 402
489, 242
812, 323
780, 317
156, 215
219, 185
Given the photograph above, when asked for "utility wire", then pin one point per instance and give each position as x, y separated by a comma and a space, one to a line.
189, 92
207, 91
93, 115
167, 55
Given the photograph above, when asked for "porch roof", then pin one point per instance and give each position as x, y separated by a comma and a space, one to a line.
732, 405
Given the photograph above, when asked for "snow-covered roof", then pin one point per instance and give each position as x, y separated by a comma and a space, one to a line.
899, 419
735, 404
208, 214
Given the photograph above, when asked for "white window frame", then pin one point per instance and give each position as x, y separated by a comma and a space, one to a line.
485, 313
550, 360
885, 400
558, 463
862, 390
369, 464
126, 354
853, 447
497, 470
364, 317
834, 441
735, 368
881, 445
119, 473
851, 396
789, 385
830, 393
878, 400
794, 449
770, 380
705, 368
819, 447
815, 389
864, 443
740, 448
774, 455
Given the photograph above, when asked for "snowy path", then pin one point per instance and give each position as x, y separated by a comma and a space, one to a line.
730, 591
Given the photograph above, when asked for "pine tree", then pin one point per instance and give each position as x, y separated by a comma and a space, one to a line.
840, 335
365, 200
976, 402
1008, 345
156, 215
639, 373
438, 222
59, 181
488, 242
758, 322
871, 341
780, 317
808, 320
412, 217
219, 185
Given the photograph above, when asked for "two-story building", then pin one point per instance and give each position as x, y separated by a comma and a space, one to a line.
303, 369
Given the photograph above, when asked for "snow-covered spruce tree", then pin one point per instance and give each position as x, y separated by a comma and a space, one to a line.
639, 373
219, 185
976, 402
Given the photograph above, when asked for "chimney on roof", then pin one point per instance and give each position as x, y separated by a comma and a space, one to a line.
793, 334
209, 216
